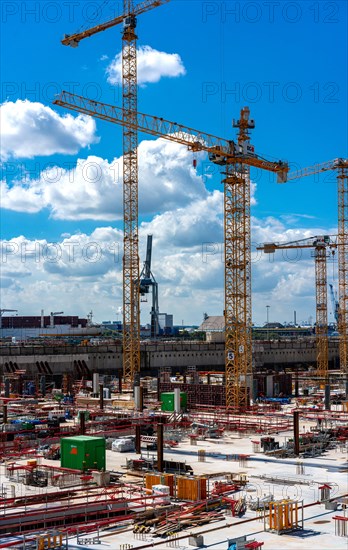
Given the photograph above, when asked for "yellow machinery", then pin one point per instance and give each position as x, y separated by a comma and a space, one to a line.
235, 158
131, 309
320, 245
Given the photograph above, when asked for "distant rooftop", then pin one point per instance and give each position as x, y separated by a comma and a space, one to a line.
215, 323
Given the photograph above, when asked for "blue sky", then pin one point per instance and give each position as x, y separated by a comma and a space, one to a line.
286, 60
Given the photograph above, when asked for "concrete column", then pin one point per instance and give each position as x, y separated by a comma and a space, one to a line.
43, 385
255, 389
95, 382
138, 398
101, 396
158, 388
327, 397
82, 423
7, 387
296, 387
120, 381
160, 447
346, 385
177, 405
137, 439
297, 432
4, 412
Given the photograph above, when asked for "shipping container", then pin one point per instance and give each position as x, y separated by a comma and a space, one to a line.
83, 452
167, 399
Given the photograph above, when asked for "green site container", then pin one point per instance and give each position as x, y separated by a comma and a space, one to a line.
82, 452
167, 399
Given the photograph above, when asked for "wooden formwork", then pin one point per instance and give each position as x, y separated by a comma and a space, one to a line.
160, 479
191, 488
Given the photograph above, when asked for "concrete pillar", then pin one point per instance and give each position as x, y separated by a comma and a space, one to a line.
120, 381
95, 382
101, 396
138, 398
255, 389
4, 412
43, 385
160, 447
82, 423
269, 385
7, 387
346, 384
137, 439
327, 397
158, 389
208, 379
177, 404
297, 433
296, 387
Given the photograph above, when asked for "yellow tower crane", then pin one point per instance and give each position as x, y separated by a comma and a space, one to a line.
234, 158
340, 166
131, 309
320, 245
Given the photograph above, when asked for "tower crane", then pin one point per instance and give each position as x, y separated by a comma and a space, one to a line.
320, 244
147, 280
340, 166
131, 317
234, 158
2, 311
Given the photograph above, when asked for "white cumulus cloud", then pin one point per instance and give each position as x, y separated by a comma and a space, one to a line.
31, 129
92, 189
152, 66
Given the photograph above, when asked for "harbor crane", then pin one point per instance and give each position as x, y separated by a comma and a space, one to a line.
320, 246
131, 308
234, 159
334, 302
147, 280
340, 166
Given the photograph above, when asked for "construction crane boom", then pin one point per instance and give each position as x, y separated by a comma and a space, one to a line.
318, 168
221, 151
235, 160
74, 39
340, 165
320, 244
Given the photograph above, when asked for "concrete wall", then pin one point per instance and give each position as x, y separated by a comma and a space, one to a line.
175, 355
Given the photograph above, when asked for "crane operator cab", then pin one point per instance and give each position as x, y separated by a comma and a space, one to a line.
129, 22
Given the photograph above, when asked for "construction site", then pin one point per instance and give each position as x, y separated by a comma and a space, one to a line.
231, 443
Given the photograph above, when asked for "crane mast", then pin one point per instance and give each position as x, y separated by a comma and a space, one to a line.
340, 165
320, 245
234, 158
131, 306
238, 341
342, 180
